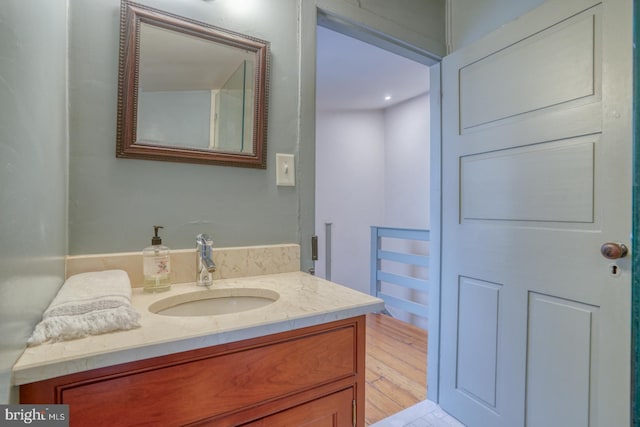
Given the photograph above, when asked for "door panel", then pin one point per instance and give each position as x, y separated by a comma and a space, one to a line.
536, 176
552, 181
478, 339
559, 358
556, 66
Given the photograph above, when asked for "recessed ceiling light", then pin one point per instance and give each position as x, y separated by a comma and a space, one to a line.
387, 97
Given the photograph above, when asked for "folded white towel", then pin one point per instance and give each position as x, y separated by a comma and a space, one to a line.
88, 304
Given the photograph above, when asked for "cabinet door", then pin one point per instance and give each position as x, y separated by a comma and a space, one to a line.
212, 382
335, 410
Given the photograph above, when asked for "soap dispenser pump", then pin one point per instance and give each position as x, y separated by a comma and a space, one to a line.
156, 264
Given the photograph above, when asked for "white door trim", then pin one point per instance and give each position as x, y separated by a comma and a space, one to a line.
435, 194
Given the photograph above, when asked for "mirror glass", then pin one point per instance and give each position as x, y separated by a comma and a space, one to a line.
189, 91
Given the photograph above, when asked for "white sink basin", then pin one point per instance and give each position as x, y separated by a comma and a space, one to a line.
212, 302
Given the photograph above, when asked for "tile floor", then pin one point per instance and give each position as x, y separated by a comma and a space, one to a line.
424, 414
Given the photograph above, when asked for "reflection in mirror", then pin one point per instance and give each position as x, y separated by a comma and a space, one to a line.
189, 91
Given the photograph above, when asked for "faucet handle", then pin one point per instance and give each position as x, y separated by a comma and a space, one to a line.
204, 239
205, 266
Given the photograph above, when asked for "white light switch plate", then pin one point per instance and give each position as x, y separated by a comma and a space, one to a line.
285, 170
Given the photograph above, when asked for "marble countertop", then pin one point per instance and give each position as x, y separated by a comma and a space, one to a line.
305, 300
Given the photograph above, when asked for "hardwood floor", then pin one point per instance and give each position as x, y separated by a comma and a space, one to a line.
396, 361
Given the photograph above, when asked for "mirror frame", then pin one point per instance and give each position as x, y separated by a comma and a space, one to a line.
127, 146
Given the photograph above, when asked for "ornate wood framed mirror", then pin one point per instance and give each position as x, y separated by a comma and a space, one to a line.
189, 91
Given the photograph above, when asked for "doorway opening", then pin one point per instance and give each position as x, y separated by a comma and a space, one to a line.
373, 170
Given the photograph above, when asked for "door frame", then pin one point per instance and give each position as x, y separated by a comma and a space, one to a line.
435, 261
358, 30
635, 217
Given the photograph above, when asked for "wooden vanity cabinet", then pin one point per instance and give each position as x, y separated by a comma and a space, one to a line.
312, 376
329, 411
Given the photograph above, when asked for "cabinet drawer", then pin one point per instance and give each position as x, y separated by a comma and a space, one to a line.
335, 410
192, 390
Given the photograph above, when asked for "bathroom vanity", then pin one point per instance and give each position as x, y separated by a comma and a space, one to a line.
295, 361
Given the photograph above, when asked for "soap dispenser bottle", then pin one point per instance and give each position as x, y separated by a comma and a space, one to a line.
156, 265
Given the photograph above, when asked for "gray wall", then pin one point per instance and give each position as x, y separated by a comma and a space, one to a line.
33, 169
114, 202
471, 19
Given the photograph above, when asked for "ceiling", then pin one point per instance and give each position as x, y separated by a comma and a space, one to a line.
172, 60
354, 75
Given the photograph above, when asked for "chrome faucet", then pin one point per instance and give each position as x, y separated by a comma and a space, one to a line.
206, 266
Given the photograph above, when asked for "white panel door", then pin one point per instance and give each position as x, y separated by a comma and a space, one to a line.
536, 160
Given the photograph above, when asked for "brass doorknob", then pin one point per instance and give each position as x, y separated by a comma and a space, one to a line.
613, 250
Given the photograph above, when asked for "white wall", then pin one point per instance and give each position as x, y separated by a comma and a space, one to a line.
372, 168
349, 190
178, 118
407, 130
407, 164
